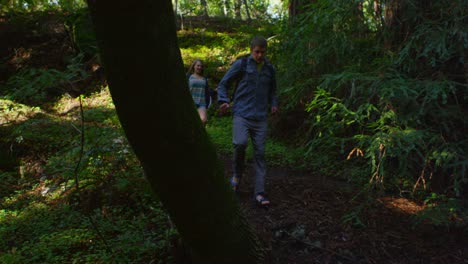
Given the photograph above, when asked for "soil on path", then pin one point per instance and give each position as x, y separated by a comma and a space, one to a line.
306, 223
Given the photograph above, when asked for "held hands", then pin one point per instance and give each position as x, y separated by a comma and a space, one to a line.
274, 110
223, 108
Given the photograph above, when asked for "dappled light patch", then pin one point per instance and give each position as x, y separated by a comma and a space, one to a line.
12, 112
402, 205
66, 104
98, 109
101, 98
21, 56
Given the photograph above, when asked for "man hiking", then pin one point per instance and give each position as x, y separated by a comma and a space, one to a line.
254, 98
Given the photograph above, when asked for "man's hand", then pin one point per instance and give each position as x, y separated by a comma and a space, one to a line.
223, 108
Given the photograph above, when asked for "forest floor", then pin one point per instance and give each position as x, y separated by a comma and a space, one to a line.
305, 224
312, 218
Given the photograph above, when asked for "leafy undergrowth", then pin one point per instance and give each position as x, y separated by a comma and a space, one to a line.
78, 199
73, 199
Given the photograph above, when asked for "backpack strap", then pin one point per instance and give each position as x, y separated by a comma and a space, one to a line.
243, 65
240, 75
243, 70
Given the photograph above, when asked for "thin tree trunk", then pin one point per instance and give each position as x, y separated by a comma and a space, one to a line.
395, 28
378, 13
237, 9
296, 7
204, 7
176, 5
146, 78
226, 7
249, 18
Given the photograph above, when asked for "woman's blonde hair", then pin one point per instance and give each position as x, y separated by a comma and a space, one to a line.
192, 67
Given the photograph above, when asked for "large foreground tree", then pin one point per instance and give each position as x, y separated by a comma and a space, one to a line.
140, 54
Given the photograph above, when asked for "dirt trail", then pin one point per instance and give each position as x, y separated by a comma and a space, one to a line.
304, 224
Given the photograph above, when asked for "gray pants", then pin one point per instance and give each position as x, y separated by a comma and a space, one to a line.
257, 130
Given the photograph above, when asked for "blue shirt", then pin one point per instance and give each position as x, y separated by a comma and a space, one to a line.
197, 89
256, 90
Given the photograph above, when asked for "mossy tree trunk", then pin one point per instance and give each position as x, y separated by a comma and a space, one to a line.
140, 54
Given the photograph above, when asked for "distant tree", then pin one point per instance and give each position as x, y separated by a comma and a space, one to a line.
39, 5
226, 7
296, 7
247, 10
147, 82
176, 4
237, 9
394, 10
378, 7
204, 6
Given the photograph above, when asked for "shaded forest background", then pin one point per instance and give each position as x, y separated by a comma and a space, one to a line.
373, 94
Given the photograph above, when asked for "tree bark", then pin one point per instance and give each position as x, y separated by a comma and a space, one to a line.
140, 55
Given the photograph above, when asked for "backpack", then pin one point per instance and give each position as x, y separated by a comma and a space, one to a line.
209, 93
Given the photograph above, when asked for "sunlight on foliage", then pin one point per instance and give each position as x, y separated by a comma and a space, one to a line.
15, 112
109, 172
400, 104
32, 86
